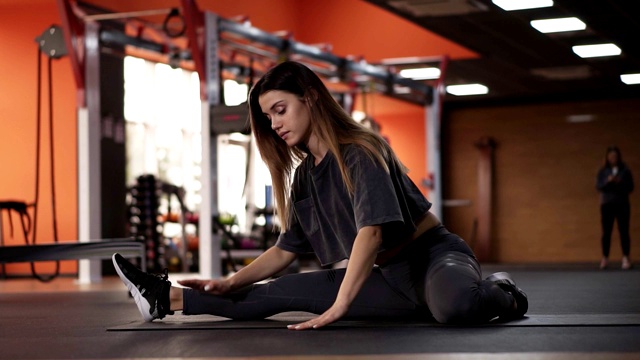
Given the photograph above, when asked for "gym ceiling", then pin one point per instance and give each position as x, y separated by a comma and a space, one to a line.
521, 64
518, 62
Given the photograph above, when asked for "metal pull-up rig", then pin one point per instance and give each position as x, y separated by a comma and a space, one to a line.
217, 48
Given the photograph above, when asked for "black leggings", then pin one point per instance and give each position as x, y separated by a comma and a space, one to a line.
608, 214
437, 274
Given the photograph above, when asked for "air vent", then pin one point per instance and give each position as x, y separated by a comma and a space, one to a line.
422, 8
564, 72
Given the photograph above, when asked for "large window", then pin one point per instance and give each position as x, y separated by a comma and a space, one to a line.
162, 113
163, 117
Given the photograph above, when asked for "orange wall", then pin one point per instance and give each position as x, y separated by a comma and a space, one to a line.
351, 26
403, 124
20, 24
268, 15
355, 27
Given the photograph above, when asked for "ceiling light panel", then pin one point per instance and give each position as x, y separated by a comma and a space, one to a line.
597, 50
467, 89
426, 73
558, 25
630, 79
510, 5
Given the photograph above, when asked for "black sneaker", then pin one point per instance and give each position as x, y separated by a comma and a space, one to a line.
151, 292
504, 281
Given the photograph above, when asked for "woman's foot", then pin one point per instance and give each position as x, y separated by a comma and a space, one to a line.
150, 292
521, 305
604, 263
626, 264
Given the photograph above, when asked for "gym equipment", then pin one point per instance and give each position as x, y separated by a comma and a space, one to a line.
103, 249
217, 47
230, 119
144, 220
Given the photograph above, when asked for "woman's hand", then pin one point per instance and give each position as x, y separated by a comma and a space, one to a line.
334, 313
216, 287
363, 255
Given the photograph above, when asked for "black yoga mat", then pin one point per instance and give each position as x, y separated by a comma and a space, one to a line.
202, 322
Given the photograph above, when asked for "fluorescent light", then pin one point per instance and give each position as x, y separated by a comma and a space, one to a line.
580, 118
468, 89
588, 51
510, 5
401, 89
630, 79
421, 73
558, 25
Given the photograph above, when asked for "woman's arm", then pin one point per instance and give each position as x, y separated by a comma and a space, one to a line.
627, 181
363, 255
264, 266
268, 263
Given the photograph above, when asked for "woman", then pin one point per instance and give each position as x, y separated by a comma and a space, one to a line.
350, 198
615, 183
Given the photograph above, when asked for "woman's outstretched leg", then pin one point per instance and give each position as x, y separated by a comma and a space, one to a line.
312, 292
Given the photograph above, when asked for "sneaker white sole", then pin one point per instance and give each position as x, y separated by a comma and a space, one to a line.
141, 302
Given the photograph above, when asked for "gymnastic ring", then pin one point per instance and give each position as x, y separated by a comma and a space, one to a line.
165, 25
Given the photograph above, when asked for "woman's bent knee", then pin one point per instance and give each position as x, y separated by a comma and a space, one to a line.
461, 309
452, 288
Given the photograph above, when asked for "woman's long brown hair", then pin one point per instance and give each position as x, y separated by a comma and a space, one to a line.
331, 124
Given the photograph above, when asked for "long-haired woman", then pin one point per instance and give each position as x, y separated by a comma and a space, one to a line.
340, 193
615, 183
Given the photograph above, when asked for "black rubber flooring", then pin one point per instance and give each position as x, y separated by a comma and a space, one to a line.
603, 307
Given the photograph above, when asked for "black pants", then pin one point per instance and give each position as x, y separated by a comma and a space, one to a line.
437, 275
608, 214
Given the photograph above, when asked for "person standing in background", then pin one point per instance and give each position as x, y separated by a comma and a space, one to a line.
615, 183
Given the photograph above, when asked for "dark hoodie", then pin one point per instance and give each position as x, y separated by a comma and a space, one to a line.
614, 191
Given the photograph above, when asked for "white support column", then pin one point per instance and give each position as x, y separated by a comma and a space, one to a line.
89, 201
432, 126
210, 247
209, 251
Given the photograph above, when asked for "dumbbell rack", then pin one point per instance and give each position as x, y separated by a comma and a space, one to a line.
144, 224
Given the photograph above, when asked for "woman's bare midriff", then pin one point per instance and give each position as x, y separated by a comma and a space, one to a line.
428, 222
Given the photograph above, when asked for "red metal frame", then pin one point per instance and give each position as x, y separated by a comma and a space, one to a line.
73, 30
195, 31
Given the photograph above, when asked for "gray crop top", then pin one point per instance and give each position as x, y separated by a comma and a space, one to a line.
326, 218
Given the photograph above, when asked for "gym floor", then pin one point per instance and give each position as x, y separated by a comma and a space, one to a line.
64, 320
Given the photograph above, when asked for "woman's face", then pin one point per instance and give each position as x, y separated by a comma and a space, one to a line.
612, 158
288, 114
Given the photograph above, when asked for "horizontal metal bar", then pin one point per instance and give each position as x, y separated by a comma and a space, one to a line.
382, 74
70, 251
252, 33
314, 53
119, 38
126, 15
249, 50
412, 60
